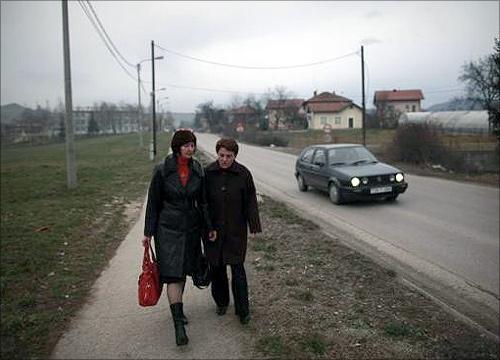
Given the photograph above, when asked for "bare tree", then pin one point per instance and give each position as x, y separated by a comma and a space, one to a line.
236, 101
482, 78
280, 94
387, 115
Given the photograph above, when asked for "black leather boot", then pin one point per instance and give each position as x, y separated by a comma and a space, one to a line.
241, 306
183, 317
180, 332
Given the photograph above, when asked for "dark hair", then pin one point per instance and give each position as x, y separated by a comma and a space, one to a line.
182, 137
229, 144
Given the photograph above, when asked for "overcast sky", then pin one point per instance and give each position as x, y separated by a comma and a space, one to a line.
408, 45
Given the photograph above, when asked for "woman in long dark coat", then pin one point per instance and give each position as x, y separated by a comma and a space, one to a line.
233, 206
176, 216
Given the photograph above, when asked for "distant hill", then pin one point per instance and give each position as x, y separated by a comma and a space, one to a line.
10, 112
455, 105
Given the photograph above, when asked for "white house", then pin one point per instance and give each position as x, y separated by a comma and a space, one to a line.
337, 111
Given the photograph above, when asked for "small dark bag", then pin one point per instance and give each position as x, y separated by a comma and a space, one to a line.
203, 274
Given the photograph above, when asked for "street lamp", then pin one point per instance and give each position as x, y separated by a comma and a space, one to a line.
139, 96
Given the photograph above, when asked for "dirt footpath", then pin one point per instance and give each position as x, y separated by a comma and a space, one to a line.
113, 326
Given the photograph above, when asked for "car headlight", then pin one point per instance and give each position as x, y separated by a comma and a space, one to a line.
399, 177
364, 180
355, 181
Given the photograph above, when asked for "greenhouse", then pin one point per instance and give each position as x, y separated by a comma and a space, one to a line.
459, 122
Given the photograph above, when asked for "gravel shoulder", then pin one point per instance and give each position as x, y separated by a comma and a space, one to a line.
313, 297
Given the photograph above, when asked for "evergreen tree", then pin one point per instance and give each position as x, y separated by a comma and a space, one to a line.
93, 127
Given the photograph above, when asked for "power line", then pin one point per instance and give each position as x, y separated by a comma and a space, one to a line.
205, 89
85, 10
211, 90
283, 67
228, 91
107, 36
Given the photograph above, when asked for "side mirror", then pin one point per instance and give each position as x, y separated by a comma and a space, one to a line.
320, 164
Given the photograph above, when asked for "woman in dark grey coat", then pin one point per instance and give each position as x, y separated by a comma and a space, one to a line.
176, 216
233, 207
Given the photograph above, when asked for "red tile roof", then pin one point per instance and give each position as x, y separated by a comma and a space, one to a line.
243, 110
398, 95
285, 103
328, 102
328, 97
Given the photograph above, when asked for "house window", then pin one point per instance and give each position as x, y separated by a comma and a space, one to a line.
413, 108
337, 120
322, 120
407, 107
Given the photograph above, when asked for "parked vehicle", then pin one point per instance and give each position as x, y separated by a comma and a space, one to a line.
347, 172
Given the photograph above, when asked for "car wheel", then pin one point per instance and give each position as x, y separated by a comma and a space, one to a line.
335, 195
392, 197
301, 183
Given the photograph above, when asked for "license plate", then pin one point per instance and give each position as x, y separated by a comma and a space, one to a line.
379, 190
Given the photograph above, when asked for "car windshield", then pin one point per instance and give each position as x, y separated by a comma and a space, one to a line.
350, 156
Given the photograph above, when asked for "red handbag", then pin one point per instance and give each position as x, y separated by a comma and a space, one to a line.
149, 280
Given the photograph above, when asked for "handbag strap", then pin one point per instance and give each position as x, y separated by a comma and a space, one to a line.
152, 252
148, 255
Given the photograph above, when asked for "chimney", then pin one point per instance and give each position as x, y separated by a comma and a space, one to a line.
315, 92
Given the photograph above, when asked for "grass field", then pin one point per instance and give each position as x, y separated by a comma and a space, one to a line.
55, 242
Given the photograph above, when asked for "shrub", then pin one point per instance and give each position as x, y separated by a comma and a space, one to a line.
418, 143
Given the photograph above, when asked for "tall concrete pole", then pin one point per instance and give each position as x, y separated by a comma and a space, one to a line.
153, 97
70, 145
139, 106
363, 123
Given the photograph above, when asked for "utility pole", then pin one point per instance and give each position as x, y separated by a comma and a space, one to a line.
70, 145
139, 107
153, 97
363, 93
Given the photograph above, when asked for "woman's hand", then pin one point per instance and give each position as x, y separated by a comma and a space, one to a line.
146, 241
212, 235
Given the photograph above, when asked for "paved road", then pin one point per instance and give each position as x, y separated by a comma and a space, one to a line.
445, 229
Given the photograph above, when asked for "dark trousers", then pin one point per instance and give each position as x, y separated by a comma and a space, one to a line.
239, 286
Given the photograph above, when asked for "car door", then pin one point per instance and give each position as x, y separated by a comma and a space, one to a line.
336, 159
305, 164
319, 170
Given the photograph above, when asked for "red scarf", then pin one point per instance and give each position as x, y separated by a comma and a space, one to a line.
183, 169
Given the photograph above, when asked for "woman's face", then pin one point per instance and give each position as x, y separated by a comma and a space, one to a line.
225, 158
187, 150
